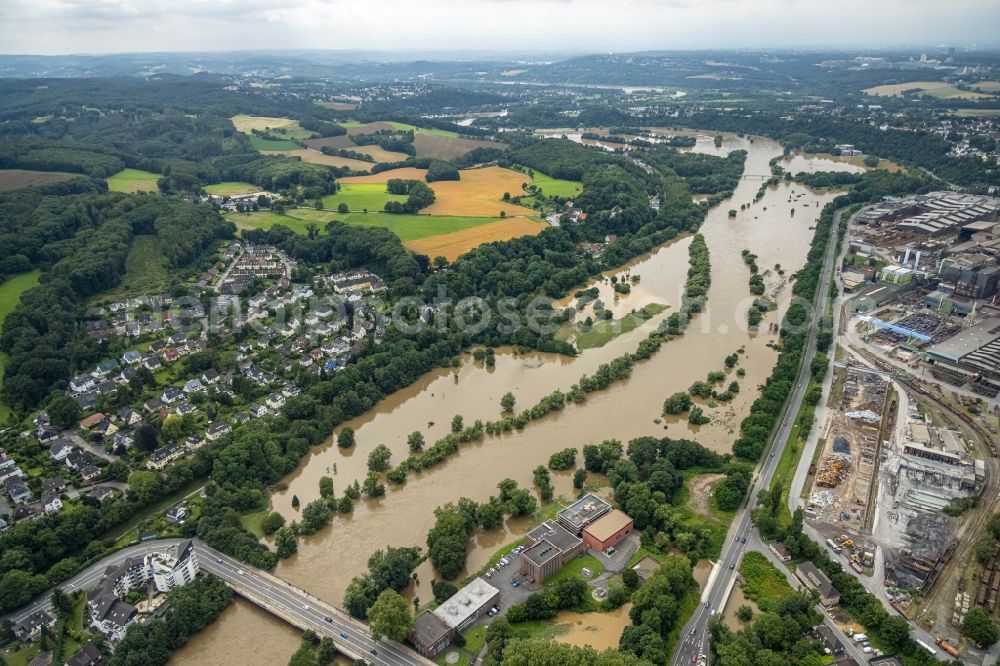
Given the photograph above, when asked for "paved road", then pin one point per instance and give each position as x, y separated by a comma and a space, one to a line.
263, 589
694, 632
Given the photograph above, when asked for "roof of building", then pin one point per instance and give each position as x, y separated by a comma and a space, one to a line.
818, 579
647, 566
540, 553
607, 525
466, 602
973, 339
428, 629
585, 510
88, 655
555, 534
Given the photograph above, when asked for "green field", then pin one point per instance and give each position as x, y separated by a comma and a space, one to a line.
257, 143
978, 113
145, 270
407, 227
231, 188
762, 582
351, 124
556, 187
360, 197
604, 331
10, 295
133, 180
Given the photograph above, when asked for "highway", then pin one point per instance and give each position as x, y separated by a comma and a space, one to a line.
694, 635
293, 605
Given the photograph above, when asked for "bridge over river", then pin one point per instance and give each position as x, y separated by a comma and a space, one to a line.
277, 596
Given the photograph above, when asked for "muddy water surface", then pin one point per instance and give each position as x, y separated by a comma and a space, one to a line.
327, 561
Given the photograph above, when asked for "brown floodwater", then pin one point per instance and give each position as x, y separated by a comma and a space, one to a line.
328, 560
243, 634
600, 631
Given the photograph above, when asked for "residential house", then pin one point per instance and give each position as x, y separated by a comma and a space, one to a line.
105, 368
171, 395
105, 428
30, 628
101, 493
151, 363
275, 401
217, 430
210, 376
88, 655
241, 417
18, 491
51, 503
257, 411
81, 384
193, 386
130, 417
92, 420
152, 405
185, 408
177, 513
163, 456
60, 448
130, 357
76, 460
90, 473
122, 441
56, 485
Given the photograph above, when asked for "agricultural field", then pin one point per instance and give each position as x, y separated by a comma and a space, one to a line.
265, 219
407, 227
360, 197
446, 147
556, 187
479, 193
456, 243
270, 145
12, 179
145, 269
133, 180
231, 188
986, 86
938, 89
428, 141
316, 157
283, 127
10, 295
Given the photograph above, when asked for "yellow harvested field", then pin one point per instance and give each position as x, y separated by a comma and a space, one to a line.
316, 157
452, 246
380, 154
479, 193
938, 89
989, 86
343, 141
246, 124
369, 128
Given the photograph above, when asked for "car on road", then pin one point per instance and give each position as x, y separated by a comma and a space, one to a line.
694, 658
343, 634
743, 540
708, 604
240, 571
219, 560
328, 619
692, 632
732, 566
305, 607
867, 650
772, 454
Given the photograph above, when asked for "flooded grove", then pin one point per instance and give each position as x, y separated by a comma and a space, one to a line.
328, 560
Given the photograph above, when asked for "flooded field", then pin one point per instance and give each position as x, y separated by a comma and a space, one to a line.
328, 560
598, 630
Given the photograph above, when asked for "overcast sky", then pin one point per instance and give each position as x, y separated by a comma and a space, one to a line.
101, 26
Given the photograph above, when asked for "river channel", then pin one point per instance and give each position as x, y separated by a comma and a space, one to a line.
327, 561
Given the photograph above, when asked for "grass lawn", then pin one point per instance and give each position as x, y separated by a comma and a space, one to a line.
978, 113
556, 187
573, 568
790, 455
252, 521
475, 639
412, 227
762, 582
258, 143
360, 197
603, 332
231, 188
133, 180
10, 295
265, 219
161, 506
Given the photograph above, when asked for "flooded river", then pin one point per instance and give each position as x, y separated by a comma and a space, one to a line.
327, 561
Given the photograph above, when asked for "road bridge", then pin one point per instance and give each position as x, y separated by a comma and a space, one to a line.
279, 597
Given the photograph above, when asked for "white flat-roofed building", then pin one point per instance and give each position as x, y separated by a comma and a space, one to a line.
468, 604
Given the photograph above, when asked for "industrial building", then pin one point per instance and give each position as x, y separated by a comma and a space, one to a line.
468, 605
549, 547
582, 512
815, 579
607, 531
874, 297
972, 354
431, 636
932, 214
